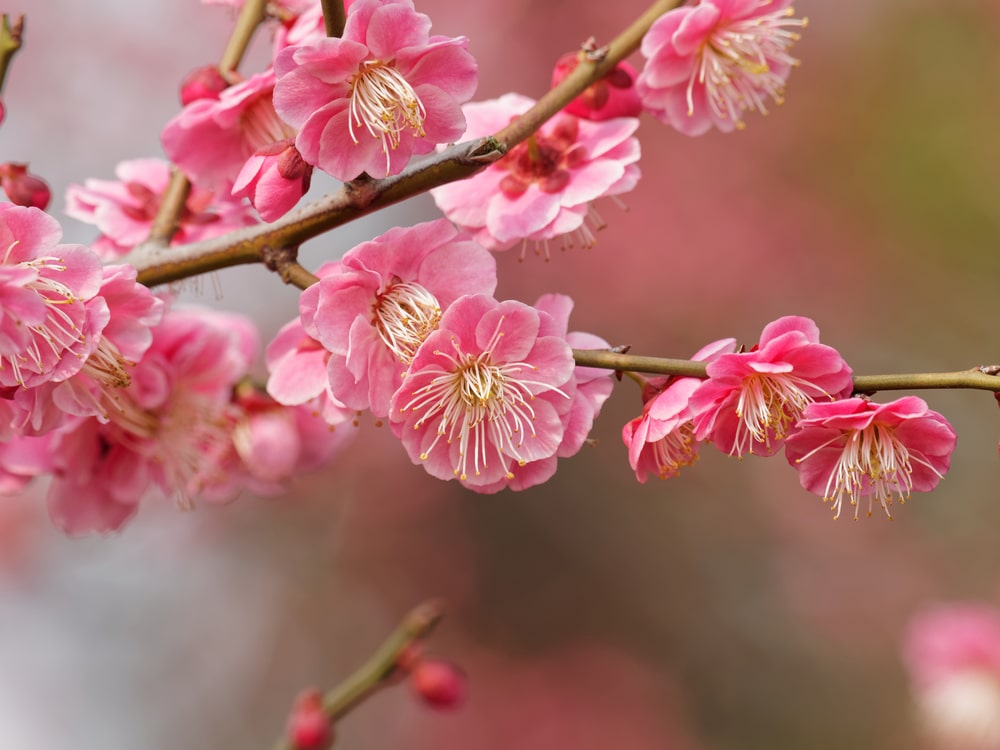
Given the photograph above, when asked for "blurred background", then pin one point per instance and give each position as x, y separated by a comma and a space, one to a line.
722, 609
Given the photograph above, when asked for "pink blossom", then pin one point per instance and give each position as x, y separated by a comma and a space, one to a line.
862, 449
952, 653
386, 298
543, 188
614, 95
44, 290
752, 400
211, 139
661, 441
483, 392
383, 92
22, 187
710, 62
274, 178
124, 209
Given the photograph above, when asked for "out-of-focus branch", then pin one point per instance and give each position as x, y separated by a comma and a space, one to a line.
11, 37
334, 17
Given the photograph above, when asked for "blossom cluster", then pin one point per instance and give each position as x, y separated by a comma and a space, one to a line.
791, 392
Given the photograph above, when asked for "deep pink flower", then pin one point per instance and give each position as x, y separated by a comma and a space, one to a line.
752, 400
543, 188
211, 139
22, 187
952, 653
274, 178
710, 62
383, 92
124, 209
387, 296
614, 95
661, 441
44, 290
862, 449
481, 394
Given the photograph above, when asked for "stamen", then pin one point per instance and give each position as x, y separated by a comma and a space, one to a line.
386, 104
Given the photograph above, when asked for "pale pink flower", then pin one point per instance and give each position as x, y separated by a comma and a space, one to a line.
383, 92
543, 188
44, 290
752, 400
124, 209
211, 139
273, 179
661, 440
386, 298
862, 449
710, 62
952, 653
483, 393
614, 95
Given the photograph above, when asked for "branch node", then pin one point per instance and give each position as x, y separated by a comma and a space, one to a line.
487, 151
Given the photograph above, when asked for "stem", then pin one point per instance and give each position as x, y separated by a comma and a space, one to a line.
166, 223
364, 195
334, 17
982, 378
379, 670
11, 37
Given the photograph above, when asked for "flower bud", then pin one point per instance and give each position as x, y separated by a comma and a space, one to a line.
205, 82
614, 95
22, 188
309, 727
439, 683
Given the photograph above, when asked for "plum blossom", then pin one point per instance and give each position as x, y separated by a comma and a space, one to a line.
614, 95
273, 179
44, 291
383, 92
862, 449
952, 654
710, 62
543, 188
22, 187
483, 392
387, 296
124, 209
661, 440
752, 400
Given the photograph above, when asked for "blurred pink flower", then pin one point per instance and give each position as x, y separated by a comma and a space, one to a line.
273, 179
661, 440
483, 393
710, 62
614, 95
952, 653
543, 188
124, 209
870, 450
752, 400
383, 92
387, 296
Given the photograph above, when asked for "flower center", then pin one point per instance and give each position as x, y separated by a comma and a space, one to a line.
737, 64
405, 315
261, 125
674, 451
769, 404
385, 104
544, 159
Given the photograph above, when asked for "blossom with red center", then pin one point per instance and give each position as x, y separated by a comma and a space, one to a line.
388, 295
862, 449
952, 654
752, 400
612, 95
543, 188
44, 290
661, 441
273, 179
384, 91
710, 62
211, 139
124, 209
482, 393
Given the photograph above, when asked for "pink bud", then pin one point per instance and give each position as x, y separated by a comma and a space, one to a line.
308, 727
439, 683
22, 188
203, 83
614, 95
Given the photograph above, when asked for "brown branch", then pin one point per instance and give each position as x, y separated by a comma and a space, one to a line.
334, 17
11, 38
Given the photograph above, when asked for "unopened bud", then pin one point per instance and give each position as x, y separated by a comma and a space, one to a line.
22, 188
439, 683
614, 95
204, 83
309, 727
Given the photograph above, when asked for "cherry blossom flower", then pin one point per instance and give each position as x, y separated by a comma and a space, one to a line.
44, 290
752, 400
661, 441
386, 298
124, 209
861, 449
614, 95
383, 92
274, 178
481, 394
543, 188
710, 62
952, 653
